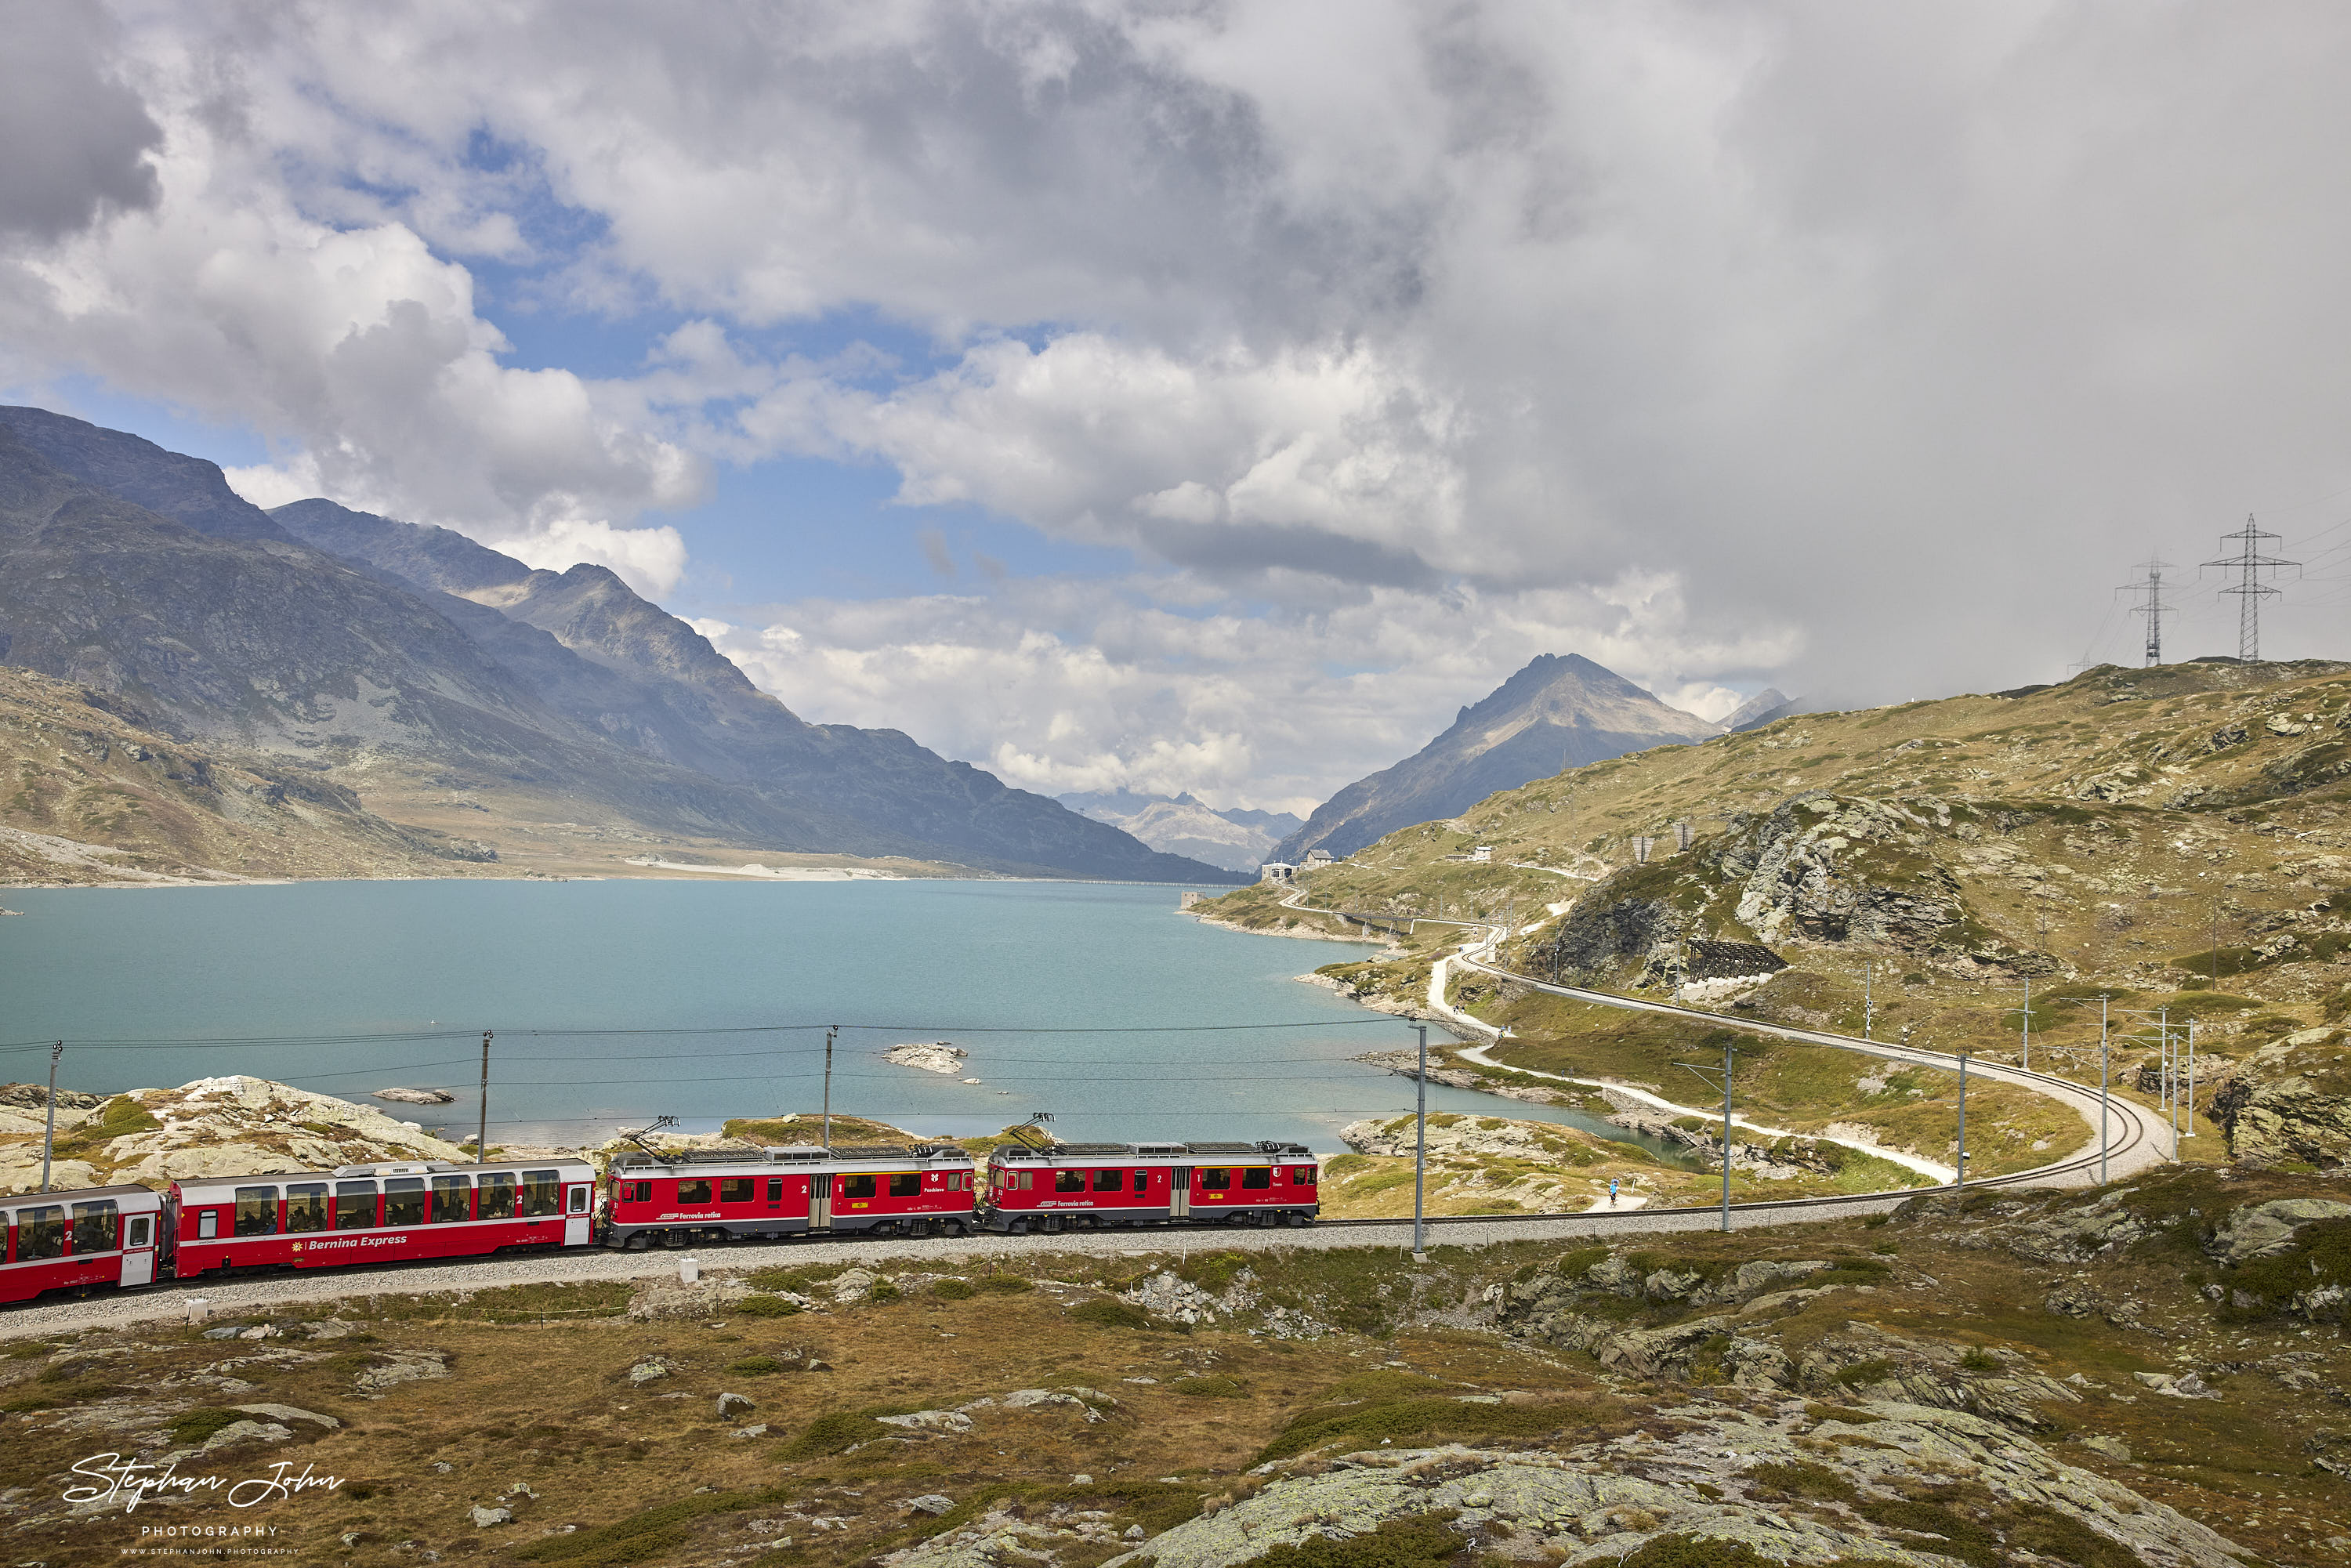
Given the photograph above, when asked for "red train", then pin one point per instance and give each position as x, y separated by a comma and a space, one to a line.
1084, 1187
128, 1236
710, 1195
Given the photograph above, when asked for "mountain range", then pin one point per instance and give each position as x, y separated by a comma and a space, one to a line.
424, 670
1235, 839
1557, 713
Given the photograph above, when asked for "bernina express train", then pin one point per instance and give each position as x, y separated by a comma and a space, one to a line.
127, 1236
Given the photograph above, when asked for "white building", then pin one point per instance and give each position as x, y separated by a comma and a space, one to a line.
1276, 871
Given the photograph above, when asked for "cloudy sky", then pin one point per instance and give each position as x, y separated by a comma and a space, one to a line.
1215, 396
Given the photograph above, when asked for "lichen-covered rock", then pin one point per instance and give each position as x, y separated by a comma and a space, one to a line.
1601, 1501
1994, 1384
399, 1366
2289, 1102
2264, 1229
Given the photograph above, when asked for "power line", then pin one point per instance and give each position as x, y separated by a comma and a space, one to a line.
2249, 564
935, 1031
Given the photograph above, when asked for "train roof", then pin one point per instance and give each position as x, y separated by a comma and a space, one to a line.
1266, 1149
76, 1195
794, 1155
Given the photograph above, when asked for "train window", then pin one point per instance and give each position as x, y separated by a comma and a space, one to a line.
1068, 1181
1025, 1179
695, 1191
1141, 1180
775, 1190
542, 1193
403, 1200
857, 1187
354, 1204
1260, 1177
736, 1189
40, 1233
256, 1211
905, 1184
96, 1227
579, 1200
1214, 1180
306, 1206
207, 1225
142, 1232
644, 1192
453, 1199
1110, 1181
497, 1196
1303, 1176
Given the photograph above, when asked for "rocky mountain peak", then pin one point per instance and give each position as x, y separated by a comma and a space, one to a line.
1559, 711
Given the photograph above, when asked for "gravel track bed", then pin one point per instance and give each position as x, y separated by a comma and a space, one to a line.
262, 1294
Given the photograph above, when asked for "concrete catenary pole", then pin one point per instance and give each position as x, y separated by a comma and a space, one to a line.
482, 1127
829, 1032
1420, 1147
50, 1136
2102, 1091
1962, 1179
1726, 1135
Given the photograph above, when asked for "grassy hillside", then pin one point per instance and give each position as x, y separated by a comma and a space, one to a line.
96, 792
2175, 838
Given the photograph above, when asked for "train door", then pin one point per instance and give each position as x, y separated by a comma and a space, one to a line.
821, 1201
138, 1249
575, 1215
1179, 1193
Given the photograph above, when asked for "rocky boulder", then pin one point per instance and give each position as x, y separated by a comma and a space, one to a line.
1708, 1481
2290, 1101
2266, 1229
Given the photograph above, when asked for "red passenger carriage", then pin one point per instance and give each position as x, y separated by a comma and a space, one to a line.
376, 1214
1057, 1186
715, 1194
93, 1236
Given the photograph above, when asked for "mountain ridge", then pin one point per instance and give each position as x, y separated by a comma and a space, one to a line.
227, 623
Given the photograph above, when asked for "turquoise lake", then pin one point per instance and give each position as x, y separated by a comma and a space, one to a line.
613, 1002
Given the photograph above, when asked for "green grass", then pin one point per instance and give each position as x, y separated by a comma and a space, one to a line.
1422, 1541
193, 1426
1103, 1312
833, 1432
1215, 1385
760, 1306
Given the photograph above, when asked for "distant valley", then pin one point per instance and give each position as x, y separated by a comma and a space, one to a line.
1238, 839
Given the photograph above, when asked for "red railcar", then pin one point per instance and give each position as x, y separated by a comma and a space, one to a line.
716, 1195
376, 1214
92, 1235
1058, 1187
